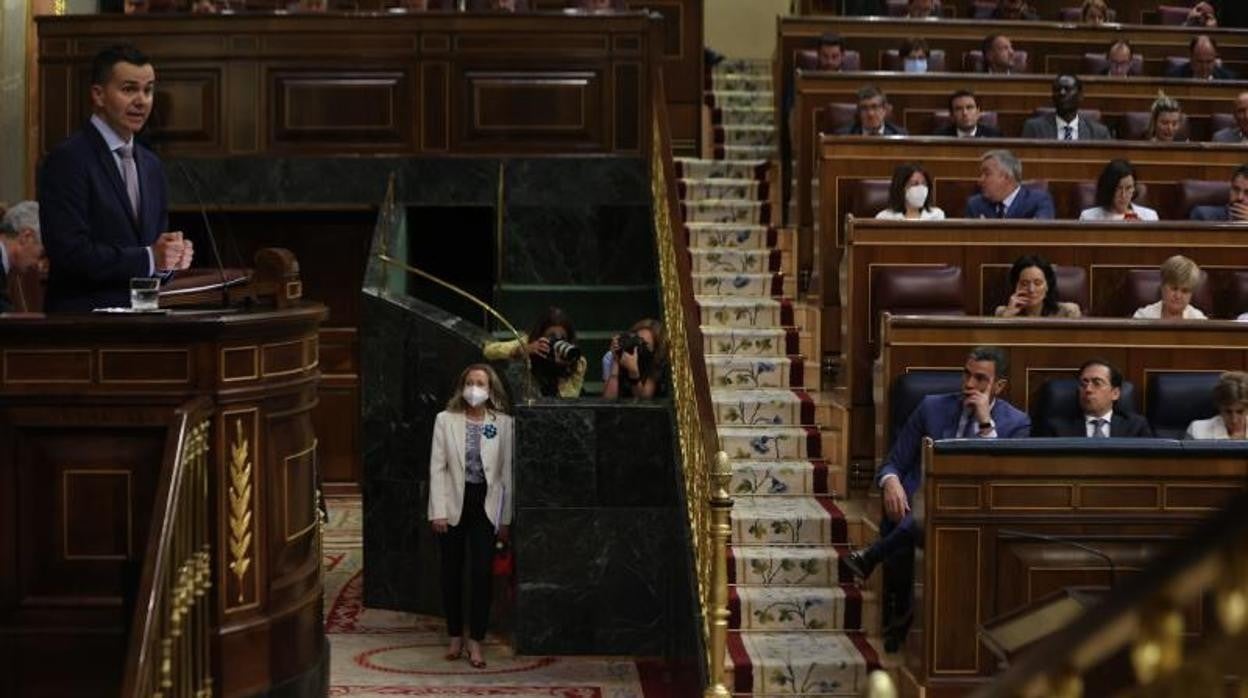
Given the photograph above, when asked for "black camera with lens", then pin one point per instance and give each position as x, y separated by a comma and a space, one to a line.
563, 350
629, 342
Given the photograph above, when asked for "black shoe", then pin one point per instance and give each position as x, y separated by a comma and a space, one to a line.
861, 563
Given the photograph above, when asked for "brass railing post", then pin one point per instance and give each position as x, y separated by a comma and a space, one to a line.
717, 614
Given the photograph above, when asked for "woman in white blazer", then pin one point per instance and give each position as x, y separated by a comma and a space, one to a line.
1115, 196
470, 499
1231, 396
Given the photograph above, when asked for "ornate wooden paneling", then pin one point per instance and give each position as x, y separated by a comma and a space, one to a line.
398, 85
1127, 11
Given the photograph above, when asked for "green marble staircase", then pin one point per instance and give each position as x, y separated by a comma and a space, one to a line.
799, 624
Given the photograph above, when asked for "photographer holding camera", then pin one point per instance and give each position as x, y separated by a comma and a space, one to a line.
555, 359
636, 364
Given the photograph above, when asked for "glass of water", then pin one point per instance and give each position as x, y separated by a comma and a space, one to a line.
144, 293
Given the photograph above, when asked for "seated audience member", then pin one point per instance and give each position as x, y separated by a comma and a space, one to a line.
555, 361
1115, 196
1201, 15
1095, 12
1001, 194
1067, 124
872, 113
1100, 386
1014, 9
504, 6
1239, 132
998, 53
1179, 276
636, 364
1236, 208
831, 52
910, 196
1202, 61
922, 9
21, 247
977, 412
594, 5
913, 53
1165, 120
1035, 291
964, 114
1119, 56
1231, 396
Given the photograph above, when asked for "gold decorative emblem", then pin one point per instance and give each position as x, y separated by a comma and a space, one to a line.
240, 507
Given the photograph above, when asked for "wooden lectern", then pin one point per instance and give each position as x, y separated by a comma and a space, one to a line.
88, 409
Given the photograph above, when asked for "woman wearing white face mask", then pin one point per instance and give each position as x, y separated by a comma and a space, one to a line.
470, 499
910, 196
914, 54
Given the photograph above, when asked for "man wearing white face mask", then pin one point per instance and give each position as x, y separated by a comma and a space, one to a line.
914, 55
470, 500
910, 196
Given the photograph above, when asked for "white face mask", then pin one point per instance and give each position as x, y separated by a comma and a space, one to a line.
916, 196
914, 65
475, 395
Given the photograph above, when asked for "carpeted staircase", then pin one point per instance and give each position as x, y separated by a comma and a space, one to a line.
800, 626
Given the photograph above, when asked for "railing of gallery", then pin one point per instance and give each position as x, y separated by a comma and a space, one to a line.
170, 645
1143, 620
705, 468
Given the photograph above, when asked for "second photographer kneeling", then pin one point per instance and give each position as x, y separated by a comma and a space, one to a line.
555, 359
636, 365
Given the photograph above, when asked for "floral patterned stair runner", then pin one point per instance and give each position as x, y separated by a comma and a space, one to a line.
799, 624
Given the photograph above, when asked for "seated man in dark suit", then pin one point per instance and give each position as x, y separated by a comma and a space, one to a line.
102, 198
1236, 208
1066, 124
1001, 194
1014, 9
1100, 385
964, 113
1202, 62
1239, 132
871, 121
21, 247
831, 52
974, 413
1119, 57
998, 52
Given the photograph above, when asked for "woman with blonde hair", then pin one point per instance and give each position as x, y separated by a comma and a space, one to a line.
1231, 422
1165, 120
1179, 277
470, 499
636, 363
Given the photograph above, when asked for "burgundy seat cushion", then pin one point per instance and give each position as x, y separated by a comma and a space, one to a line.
1171, 15
869, 197
1072, 285
1098, 63
1237, 294
918, 290
835, 116
1198, 192
1217, 122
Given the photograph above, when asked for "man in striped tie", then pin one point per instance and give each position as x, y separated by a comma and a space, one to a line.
102, 196
1100, 386
1066, 123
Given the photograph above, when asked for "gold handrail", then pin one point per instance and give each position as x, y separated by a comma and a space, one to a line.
706, 496
170, 646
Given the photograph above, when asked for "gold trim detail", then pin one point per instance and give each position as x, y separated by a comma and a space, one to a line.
286, 494
240, 507
255, 364
186, 372
31, 381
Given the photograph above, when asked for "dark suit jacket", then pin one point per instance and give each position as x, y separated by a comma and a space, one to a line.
1185, 71
938, 416
983, 131
1230, 134
1028, 204
855, 129
1120, 425
1210, 213
5, 304
1045, 126
94, 244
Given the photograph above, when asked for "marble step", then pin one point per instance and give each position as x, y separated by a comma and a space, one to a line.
739, 236
750, 134
733, 99
798, 520
788, 565
784, 478
734, 311
753, 372
696, 168
800, 663
724, 188
777, 442
736, 407
741, 116
730, 261
799, 608
755, 341
745, 152
765, 285
726, 211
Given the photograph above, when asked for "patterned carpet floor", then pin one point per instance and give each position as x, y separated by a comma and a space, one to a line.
387, 653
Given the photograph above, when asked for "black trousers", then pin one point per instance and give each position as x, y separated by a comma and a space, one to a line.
472, 538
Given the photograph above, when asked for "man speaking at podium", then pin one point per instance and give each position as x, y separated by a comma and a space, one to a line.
102, 198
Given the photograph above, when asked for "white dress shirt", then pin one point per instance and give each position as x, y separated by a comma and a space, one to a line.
928, 214
114, 141
1097, 213
967, 134
1009, 200
1090, 422
1152, 311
